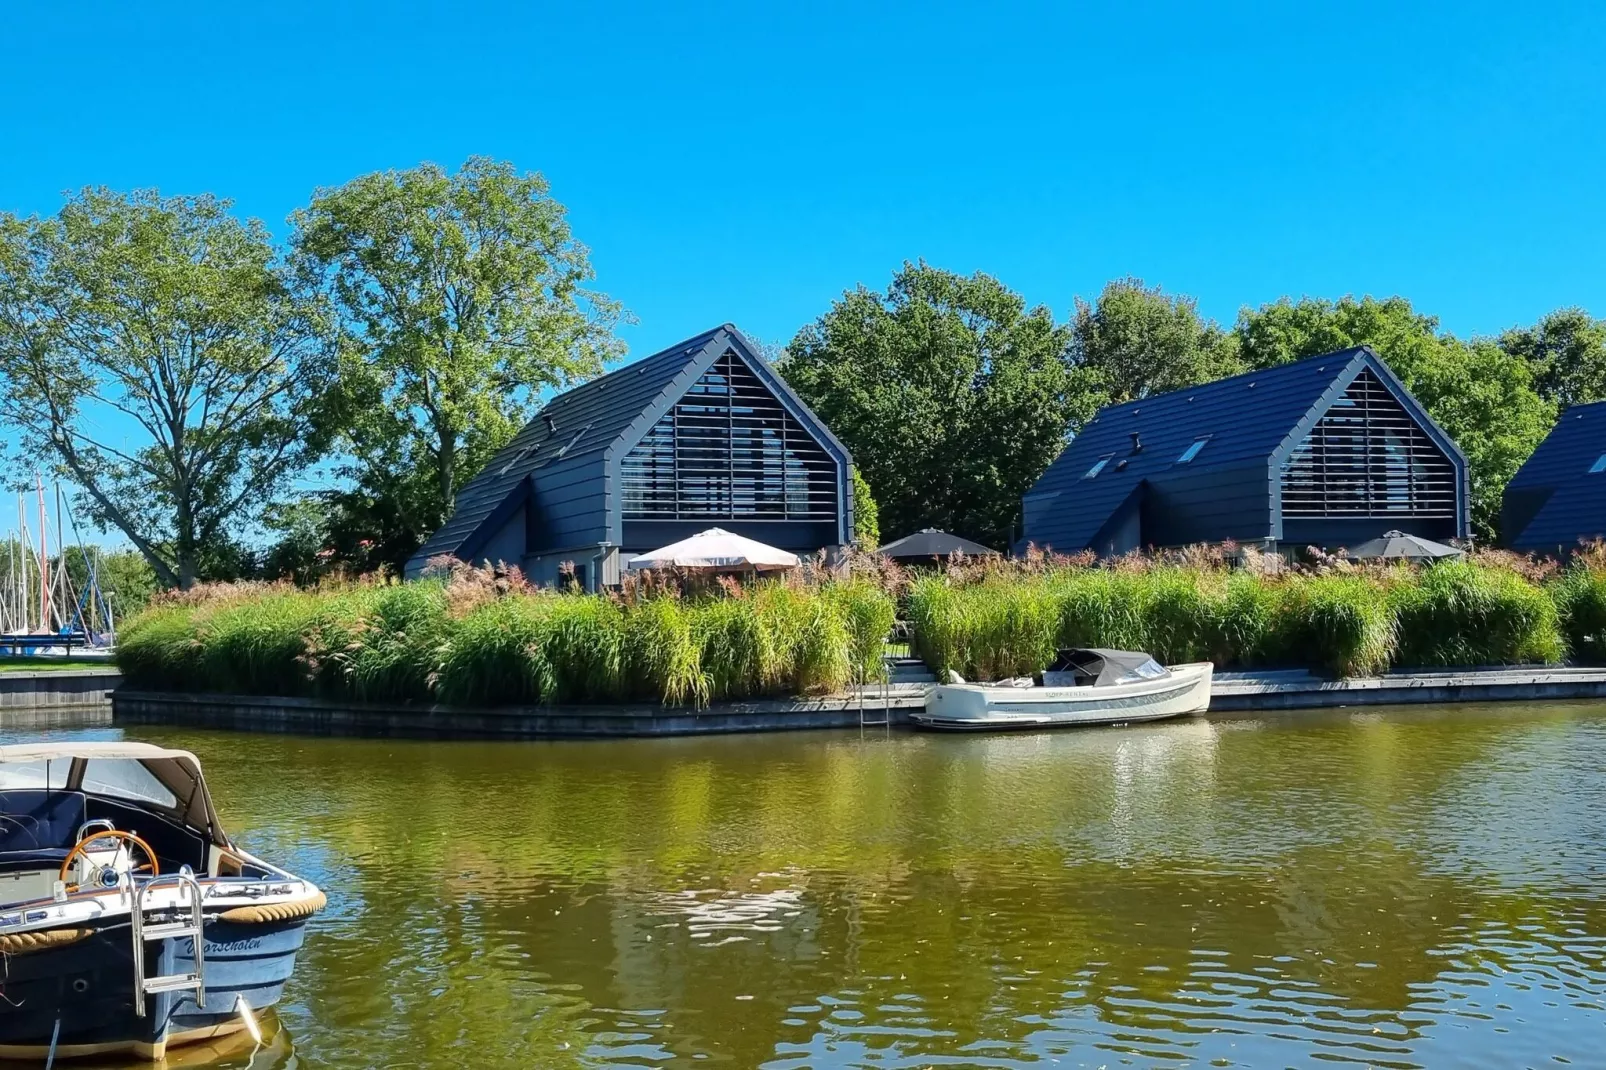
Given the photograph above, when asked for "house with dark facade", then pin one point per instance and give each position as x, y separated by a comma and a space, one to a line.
1557, 499
1329, 451
703, 434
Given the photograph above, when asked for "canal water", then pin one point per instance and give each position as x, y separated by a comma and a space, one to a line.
1401, 888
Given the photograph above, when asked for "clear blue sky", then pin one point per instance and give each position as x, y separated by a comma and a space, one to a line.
727, 163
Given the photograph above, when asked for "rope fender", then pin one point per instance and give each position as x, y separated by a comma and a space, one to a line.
22, 943
265, 912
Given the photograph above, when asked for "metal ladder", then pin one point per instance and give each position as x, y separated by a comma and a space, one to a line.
866, 718
145, 934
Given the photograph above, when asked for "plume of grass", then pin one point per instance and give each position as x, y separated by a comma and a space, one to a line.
585, 644
1100, 608
1241, 622
662, 653
1580, 597
258, 647
868, 613
823, 660
497, 655
736, 650
1338, 623
400, 635
1460, 613
932, 606
159, 650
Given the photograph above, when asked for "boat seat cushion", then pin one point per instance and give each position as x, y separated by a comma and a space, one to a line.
36, 819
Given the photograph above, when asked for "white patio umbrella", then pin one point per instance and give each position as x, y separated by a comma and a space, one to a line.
714, 550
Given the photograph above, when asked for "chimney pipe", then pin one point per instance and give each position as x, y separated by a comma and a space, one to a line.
551, 424
1137, 443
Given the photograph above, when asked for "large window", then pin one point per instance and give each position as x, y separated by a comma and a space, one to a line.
1367, 457
728, 450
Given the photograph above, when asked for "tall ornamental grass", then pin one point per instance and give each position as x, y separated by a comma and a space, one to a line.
1460, 614
475, 644
1007, 621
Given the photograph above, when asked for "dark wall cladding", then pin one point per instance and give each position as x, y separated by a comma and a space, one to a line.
728, 450
1366, 457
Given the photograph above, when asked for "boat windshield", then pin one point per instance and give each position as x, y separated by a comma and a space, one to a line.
1148, 670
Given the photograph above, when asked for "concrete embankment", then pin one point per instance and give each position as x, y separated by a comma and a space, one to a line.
49, 698
877, 706
1299, 689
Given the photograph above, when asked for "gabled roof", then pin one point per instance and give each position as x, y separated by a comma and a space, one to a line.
1247, 419
1571, 501
607, 415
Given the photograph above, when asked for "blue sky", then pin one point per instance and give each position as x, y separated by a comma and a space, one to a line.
731, 163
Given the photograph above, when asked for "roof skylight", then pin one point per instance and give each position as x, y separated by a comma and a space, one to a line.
1193, 450
1599, 466
1098, 466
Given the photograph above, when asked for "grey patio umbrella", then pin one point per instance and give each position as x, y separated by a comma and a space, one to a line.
1397, 545
933, 543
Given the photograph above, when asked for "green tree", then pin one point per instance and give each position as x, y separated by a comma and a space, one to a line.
1139, 340
866, 515
1566, 351
462, 297
1482, 396
951, 394
159, 354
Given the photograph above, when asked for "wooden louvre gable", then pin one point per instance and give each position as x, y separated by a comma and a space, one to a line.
1367, 457
728, 450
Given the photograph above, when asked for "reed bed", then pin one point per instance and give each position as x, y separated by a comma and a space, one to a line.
990, 621
478, 639
474, 638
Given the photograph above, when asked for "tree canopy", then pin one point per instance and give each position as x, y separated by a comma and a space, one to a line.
1136, 340
952, 395
1566, 352
159, 354
461, 297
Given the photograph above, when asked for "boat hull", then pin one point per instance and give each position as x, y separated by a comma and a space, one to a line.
979, 707
89, 986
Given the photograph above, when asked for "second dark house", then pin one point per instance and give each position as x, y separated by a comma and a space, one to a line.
703, 434
1328, 451
1557, 499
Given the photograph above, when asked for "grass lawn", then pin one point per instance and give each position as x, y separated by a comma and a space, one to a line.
53, 664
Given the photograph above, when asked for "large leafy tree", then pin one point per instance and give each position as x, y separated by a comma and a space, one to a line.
952, 395
1566, 352
462, 297
156, 351
1138, 340
1481, 395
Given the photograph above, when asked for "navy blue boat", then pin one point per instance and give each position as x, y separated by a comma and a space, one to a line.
129, 922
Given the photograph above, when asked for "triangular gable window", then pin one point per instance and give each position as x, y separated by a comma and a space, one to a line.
1367, 457
728, 450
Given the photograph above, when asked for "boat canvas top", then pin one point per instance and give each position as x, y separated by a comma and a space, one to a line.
171, 782
1103, 667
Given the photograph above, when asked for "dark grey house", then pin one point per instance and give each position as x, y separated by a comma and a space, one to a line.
1557, 499
703, 434
1328, 451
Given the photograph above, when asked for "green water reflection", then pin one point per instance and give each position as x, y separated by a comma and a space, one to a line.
1405, 888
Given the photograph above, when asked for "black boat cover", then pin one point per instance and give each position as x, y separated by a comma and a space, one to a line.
1100, 668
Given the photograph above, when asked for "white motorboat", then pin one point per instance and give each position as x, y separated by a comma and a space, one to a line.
1082, 687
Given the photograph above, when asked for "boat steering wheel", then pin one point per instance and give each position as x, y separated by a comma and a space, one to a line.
101, 834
